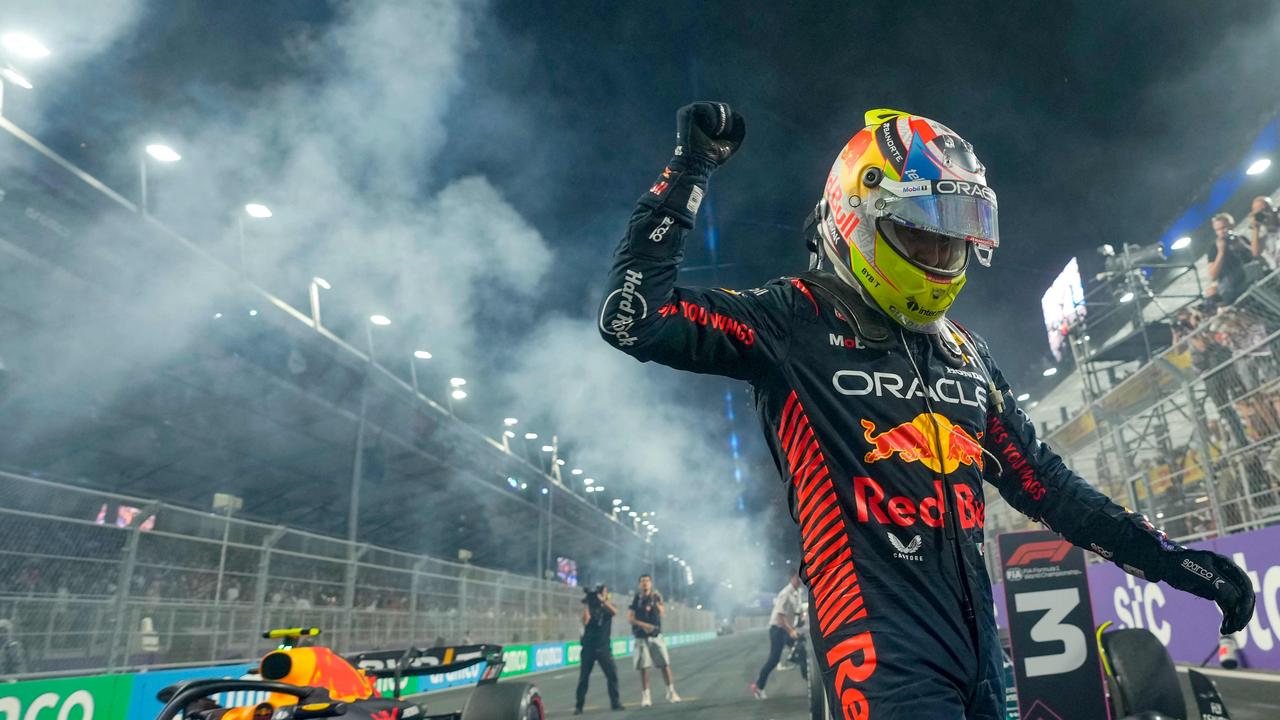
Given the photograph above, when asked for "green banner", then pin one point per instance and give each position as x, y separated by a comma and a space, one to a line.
516, 660
100, 697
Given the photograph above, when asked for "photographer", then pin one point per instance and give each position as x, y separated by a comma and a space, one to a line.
1264, 221
645, 616
1227, 260
597, 624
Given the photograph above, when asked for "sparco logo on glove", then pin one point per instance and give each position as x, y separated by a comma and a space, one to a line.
623, 308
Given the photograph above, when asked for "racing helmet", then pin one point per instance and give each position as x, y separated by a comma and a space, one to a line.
905, 205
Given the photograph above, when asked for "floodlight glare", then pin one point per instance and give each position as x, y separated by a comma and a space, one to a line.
163, 153
1259, 166
1050, 371
24, 45
1024, 396
589, 481
16, 78
322, 282
253, 313
547, 448
509, 421
457, 382
632, 513
422, 354
508, 433
576, 471
257, 210
1126, 297
379, 319
616, 501
1180, 243
459, 394
531, 436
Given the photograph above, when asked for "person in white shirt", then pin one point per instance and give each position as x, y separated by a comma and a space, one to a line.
782, 631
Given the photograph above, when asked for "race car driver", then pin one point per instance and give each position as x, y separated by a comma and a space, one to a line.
883, 416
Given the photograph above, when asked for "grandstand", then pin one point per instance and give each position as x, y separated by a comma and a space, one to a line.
350, 499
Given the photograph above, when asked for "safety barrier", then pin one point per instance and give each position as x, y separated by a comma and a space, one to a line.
132, 696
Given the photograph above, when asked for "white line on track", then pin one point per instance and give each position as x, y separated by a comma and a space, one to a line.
1241, 674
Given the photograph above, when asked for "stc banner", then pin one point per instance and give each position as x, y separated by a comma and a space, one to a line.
1187, 625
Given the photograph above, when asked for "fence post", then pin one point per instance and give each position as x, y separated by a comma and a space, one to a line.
349, 592
414, 589
123, 584
1201, 435
260, 586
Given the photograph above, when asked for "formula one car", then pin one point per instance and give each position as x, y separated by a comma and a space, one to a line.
301, 680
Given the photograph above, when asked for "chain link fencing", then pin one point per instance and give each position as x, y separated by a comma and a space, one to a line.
92, 581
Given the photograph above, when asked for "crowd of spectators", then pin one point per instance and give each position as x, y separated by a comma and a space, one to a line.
1230, 336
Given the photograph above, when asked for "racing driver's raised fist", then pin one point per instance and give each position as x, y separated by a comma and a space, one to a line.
709, 131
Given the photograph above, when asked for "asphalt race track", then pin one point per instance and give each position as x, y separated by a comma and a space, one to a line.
713, 677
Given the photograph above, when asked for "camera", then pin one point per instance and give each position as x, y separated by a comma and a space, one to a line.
1266, 218
591, 595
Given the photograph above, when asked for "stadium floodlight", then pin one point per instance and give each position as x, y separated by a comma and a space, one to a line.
458, 394
625, 508
24, 45
589, 481
524, 486
547, 448
217, 316
1181, 243
16, 78
1024, 396
321, 282
382, 320
633, 513
1259, 166
457, 381
422, 354
163, 153
531, 436
257, 210
508, 434
253, 313
1126, 297
1050, 371
617, 501
513, 482
545, 491
510, 421
576, 471
560, 462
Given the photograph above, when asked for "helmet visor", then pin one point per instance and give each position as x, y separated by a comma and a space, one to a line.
928, 250
968, 217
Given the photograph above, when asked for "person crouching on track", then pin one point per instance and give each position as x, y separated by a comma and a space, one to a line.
786, 606
597, 624
645, 616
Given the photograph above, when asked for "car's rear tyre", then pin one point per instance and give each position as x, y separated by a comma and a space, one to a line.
504, 701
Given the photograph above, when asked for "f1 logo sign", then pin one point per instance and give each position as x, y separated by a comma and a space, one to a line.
1050, 551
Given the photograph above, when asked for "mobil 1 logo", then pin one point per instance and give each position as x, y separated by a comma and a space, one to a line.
1055, 662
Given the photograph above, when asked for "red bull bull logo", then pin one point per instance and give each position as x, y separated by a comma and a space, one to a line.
919, 440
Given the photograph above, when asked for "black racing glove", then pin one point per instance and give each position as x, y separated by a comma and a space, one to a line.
1213, 577
708, 132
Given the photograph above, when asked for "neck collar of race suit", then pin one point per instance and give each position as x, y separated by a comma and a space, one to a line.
870, 325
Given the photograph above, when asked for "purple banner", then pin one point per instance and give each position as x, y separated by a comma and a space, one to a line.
1187, 625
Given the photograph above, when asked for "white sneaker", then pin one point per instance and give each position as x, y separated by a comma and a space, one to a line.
759, 692
672, 697
645, 700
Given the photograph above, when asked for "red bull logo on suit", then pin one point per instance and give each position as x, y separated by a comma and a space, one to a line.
930, 439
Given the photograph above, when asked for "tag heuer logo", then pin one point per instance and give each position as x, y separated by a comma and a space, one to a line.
910, 551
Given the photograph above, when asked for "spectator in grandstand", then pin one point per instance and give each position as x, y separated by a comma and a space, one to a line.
13, 661
782, 631
1264, 222
645, 616
1227, 260
597, 626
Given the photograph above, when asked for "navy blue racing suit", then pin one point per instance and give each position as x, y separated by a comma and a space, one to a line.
884, 448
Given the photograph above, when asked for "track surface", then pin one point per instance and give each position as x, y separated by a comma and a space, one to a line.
713, 678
